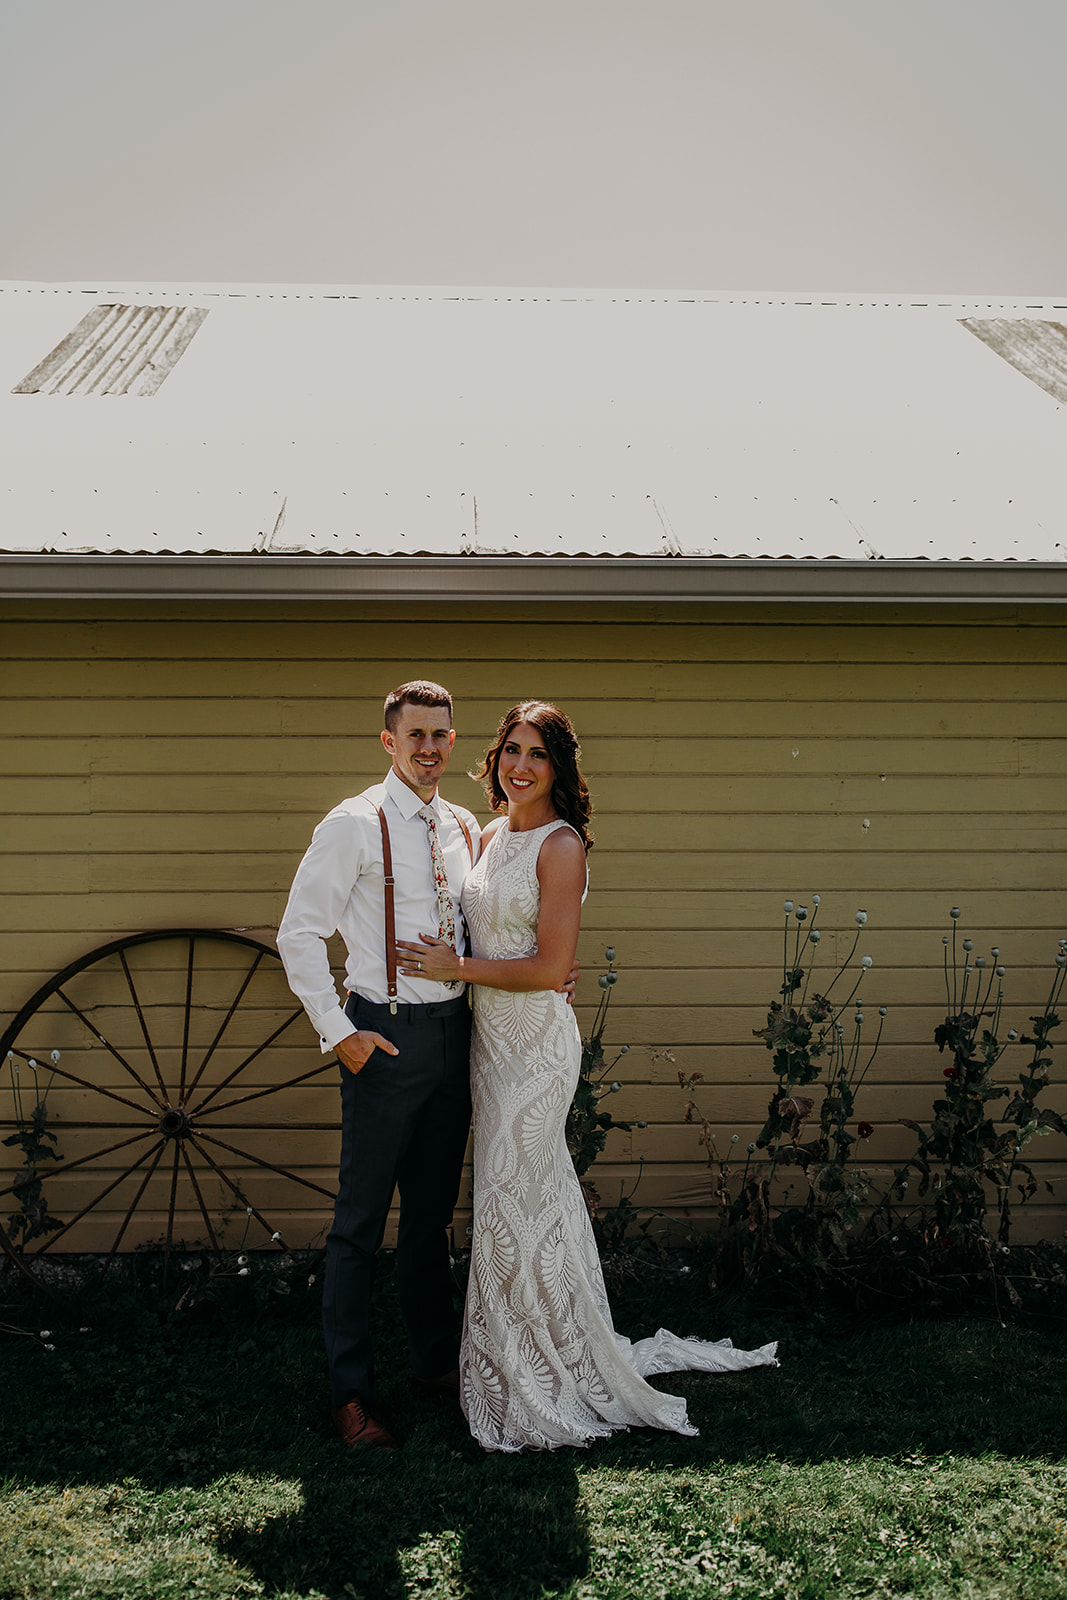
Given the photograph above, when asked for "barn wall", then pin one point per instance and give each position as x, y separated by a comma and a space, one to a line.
163, 766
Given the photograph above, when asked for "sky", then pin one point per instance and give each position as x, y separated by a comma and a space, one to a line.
907, 146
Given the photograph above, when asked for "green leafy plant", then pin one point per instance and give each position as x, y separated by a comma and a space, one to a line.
588, 1125
966, 1150
799, 1212
811, 1034
801, 1032
36, 1141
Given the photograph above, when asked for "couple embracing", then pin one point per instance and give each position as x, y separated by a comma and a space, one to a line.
403, 876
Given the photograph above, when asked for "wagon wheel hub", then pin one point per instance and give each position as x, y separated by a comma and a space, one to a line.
175, 1123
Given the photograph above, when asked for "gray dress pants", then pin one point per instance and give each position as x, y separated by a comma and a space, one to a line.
404, 1125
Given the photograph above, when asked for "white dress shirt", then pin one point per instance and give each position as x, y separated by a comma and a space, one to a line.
340, 887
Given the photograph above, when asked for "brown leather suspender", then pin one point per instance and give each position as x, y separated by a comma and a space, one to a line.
390, 897
390, 912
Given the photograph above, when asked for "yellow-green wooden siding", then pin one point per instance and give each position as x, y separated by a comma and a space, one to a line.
163, 766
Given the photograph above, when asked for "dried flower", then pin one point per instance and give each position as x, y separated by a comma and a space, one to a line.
802, 913
243, 1272
859, 1019
979, 962
55, 1058
816, 899
951, 1072
752, 1149
968, 944
603, 980
1000, 972
1013, 1034
955, 913
815, 936
788, 906
865, 1129
882, 1010
861, 917
609, 953
616, 1086
867, 961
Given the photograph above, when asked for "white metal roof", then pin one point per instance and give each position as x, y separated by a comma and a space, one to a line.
444, 423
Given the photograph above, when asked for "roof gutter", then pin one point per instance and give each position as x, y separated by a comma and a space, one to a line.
585, 579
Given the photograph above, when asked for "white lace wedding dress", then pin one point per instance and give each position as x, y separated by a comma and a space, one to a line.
541, 1365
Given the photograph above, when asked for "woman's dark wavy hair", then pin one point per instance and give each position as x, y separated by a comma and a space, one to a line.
570, 794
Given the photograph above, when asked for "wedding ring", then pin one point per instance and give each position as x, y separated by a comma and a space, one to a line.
419, 965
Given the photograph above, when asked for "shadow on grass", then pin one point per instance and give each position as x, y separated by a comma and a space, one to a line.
226, 1407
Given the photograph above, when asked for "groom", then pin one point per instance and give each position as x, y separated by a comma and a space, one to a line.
403, 1045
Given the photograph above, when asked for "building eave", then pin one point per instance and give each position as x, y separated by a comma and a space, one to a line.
494, 579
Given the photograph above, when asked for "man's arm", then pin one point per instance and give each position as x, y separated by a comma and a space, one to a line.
323, 882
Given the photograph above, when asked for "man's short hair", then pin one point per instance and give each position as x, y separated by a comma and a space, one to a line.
419, 692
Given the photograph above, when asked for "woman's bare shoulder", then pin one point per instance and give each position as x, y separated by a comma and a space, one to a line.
564, 847
491, 828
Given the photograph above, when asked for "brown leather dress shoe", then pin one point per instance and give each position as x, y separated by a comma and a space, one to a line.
357, 1428
447, 1384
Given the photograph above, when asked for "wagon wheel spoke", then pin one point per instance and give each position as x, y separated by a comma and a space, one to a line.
169, 1244
84, 1083
134, 1203
199, 1198
238, 997
188, 1015
144, 1027
97, 1155
119, 1057
246, 1155
206, 1156
258, 1094
84, 1212
258, 1051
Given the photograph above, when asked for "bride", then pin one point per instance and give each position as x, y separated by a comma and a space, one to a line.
541, 1364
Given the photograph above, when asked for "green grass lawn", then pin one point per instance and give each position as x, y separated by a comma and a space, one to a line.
163, 1455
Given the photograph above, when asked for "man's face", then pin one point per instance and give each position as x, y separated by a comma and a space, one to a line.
420, 745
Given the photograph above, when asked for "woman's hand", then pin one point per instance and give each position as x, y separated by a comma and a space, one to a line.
431, 958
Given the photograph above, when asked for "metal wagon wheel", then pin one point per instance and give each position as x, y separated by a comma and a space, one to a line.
175, 1083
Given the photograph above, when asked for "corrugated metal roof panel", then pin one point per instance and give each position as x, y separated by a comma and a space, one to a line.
1036, 348
116, 350
445, 423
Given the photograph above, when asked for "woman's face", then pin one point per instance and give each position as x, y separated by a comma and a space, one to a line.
525, 772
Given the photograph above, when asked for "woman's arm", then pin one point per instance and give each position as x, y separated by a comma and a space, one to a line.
561, 875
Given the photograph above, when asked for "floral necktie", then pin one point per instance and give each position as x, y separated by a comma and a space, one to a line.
446, 913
